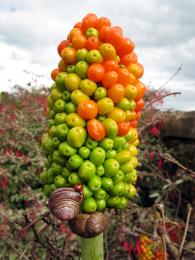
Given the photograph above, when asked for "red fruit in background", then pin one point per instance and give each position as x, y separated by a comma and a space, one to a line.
87, 109
96, 72
141, 89
123, 128
123, 76
102, 21
96, 129
54, 73
78, 187
89, 21
129, 58
109, 79
139, 105
110, 65
63, 44
104, 30
92, 43
116, 92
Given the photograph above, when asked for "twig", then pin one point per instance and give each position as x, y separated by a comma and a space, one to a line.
178, 204
155, 175
170, 158
15, 250
161, 97
160, 207
164, 84
35, 221
146, 125
185, 231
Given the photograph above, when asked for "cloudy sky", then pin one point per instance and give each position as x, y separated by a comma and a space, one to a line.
164, 33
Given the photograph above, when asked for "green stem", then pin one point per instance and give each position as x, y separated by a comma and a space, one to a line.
92, 248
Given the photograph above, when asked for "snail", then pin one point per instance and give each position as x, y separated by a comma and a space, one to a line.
88, 225
64, 203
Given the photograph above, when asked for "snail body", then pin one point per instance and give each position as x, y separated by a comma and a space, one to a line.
88, 225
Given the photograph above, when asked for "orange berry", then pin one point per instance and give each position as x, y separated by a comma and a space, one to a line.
133, 123
63, 44
78, 25
109, 79
140, 90
74, 32
104, 30
102, 21
96, 72
68, 55
92, 43
116, 92
123, 76
136, 69
133, 116
114, 36
96, 129
125, 46
62, 66
87, 109
79, 42
123, 128
110, 65
89, 21
132, 79
129, 58
54, 73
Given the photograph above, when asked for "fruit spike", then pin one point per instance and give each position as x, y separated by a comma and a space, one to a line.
94, 105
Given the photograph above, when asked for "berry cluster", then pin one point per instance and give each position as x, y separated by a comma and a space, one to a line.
94, 106
148, 250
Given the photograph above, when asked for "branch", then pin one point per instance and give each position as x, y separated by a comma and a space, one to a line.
161, 97
15, 250
164, 84
170, 158
160, 207
34, 222
185, 231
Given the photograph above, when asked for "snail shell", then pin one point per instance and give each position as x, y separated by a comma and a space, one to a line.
64, 203
88, 225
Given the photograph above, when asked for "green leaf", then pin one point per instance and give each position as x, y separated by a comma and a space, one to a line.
154, 195
177, 182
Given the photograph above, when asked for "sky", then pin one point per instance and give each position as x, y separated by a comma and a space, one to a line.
163, 31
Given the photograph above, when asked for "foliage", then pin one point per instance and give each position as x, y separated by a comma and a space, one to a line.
22, 122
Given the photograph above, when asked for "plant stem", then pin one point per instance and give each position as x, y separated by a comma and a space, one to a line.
185, 231
92, 248
162, 212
